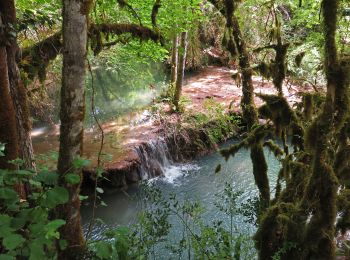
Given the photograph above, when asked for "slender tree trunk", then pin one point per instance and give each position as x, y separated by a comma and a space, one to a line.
8, 129
249, 110
72, 118
324, 182
180, 69
174, 59
17, 89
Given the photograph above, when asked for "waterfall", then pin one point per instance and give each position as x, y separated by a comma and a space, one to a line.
154, 157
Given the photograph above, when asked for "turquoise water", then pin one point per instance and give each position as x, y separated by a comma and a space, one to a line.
195, 181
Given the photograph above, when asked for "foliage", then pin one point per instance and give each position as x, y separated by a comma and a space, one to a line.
199, 240
221, 123
27, 226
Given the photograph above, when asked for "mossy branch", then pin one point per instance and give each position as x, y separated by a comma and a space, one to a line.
155, 11
137, 31
36, 58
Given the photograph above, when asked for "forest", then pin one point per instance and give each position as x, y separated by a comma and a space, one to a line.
175, 129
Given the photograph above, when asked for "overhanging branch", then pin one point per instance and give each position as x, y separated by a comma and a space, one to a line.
36, 58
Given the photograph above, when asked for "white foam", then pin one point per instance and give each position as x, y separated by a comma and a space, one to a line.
173, 172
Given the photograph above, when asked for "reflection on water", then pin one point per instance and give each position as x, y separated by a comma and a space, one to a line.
194, 181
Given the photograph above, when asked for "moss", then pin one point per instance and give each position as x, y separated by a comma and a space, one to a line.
274, 148
86, 7
259, 172
343, 204
264, 70
36, 58
308, 105
299, 58
284, 118
281, 222
279, 66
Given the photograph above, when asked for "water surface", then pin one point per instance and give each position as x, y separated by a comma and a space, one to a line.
195, 181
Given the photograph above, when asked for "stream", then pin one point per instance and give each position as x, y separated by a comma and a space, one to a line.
195, 181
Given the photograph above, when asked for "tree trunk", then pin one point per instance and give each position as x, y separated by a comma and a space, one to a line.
180, 69
8, 129
250, 114
17, 89
174, 60
72, 118
323, 181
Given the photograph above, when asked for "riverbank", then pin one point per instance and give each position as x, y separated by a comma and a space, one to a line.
139, 145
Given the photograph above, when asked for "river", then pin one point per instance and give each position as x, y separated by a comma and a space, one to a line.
195, 181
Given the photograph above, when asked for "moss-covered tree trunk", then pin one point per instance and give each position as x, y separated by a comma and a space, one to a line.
72, 117
180, 69
8, 129
17, 88
174, 60
323, 185
250, 114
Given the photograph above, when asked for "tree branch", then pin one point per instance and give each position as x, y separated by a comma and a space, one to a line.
137, 31
36, 58
154, 14
123, 3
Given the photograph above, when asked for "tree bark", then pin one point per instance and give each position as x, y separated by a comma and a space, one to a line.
174, 59
8, 127
72, 118
180, 69
17, 89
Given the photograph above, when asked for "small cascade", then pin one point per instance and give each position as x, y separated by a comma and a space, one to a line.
154, 157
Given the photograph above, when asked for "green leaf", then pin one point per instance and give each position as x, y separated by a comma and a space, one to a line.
122, 242
103, 250
12, 241
8, 194
21, 219
82, 197
99, 190
5, 228
55, 197
72, 178
63, 244
51, 228
17, 162
80, 163
47, 177
37, 250
6, 257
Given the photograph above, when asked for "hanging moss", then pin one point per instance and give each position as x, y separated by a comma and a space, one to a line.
343, 204
281, 222
274, 148
35, 59
264, 70
279, 66
283, 117
299, 58
308, 105
259, 170
321, 196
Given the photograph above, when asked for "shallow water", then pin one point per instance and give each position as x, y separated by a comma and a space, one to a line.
192, 181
